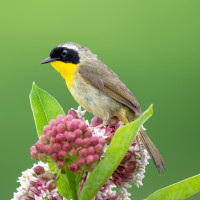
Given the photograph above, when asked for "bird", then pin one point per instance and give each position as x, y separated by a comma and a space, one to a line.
99, 90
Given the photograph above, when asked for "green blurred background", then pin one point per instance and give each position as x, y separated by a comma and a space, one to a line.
152, 45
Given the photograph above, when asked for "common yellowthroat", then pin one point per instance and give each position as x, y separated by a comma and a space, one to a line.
98, 89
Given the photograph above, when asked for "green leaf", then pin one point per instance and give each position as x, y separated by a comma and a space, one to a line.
178, 191
44, 108
63, 186
113, 156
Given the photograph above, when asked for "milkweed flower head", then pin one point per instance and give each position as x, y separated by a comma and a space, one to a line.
132, 167
130, 170
69, 137
37, 183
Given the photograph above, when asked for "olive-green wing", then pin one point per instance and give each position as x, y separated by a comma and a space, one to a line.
108, 82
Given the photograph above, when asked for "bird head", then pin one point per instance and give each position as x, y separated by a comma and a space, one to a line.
68, 55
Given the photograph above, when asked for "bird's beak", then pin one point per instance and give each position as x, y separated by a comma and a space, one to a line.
48, 60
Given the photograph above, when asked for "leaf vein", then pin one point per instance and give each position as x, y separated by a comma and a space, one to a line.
42, 106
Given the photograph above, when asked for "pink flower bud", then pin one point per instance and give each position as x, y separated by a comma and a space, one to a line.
80, 162
72, 125
52, 140
60, 118
126, 176
71, 136
48, 149
83, 152
94, 140
53, 123
127, 156
73, 152
67, 146
43, 139
78, 121
73, 113
69, 118
62, 154
57, 147
60, 138
33, 148
34, 154
88, 134
117, 182
91, 167
55, 131
102, 141
38, 170
39, 146
91, 150
99, 148
54, 157
46, 176
90, 159
46, 128
60, 164
96, 157
51, 185
61, 127
49, 134
78, 133
78, 142
73, 167
86, 142
42, 156
65, 134
83, 126
131, 166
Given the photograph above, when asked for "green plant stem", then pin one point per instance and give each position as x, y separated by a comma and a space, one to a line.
71, 179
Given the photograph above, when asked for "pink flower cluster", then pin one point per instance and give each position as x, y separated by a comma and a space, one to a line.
106, 193
131, 168
126, 169
69, 137
37, 183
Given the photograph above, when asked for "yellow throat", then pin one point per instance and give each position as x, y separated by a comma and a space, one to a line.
67, 71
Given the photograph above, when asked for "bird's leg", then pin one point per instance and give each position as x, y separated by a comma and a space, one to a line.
105, 123
100, 126
100, 122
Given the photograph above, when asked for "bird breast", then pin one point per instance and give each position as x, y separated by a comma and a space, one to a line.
93, 100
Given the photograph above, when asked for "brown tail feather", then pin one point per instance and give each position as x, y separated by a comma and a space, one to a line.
152, 150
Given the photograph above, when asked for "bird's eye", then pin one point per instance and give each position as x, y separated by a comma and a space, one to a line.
64, 53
